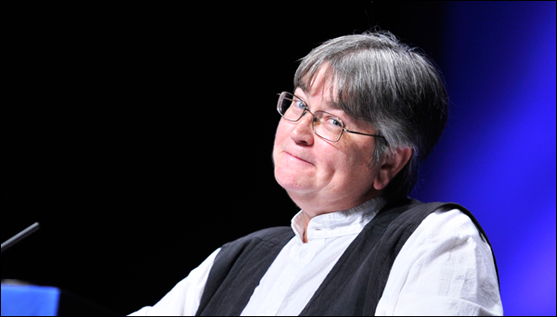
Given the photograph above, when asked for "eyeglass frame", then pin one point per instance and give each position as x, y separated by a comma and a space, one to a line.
306, 109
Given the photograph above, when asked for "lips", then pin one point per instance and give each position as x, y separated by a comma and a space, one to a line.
300, 157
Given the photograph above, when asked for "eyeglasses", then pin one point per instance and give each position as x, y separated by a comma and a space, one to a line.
324, 124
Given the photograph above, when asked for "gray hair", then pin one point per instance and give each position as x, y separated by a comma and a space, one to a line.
390, 85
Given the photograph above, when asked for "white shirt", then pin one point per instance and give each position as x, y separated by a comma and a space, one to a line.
444, 268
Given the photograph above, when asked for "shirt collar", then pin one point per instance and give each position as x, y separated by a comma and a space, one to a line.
339, 223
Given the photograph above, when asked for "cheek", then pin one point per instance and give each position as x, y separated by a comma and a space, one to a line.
280, 160
280, 135
283, 130
354, 167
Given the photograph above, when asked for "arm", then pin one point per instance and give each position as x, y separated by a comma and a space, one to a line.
184, 298
443, 269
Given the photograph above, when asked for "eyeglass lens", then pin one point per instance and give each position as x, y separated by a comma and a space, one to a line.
324, 124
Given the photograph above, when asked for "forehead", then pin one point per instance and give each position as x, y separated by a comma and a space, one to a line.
321, 91
320, 87
318, 100
337, 90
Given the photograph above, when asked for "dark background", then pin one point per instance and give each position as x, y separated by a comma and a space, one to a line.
139, 134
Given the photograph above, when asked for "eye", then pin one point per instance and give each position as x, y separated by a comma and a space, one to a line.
299, 104
335, 122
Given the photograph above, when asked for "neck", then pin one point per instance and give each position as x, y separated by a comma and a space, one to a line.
369, 207
314, 205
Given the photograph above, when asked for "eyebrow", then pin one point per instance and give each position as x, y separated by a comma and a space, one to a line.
307, 92
334, 104
328, 102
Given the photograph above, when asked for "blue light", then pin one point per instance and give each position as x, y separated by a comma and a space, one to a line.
498, 157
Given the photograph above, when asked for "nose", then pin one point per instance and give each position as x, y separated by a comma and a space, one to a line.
302, 133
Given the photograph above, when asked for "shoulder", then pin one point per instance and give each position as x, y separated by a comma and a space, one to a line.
401, 219
443, 221
454, 224
439, 214
447, 259
270, 233
451, 235
268, 237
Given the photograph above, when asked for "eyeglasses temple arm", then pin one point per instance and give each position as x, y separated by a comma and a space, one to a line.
374, 135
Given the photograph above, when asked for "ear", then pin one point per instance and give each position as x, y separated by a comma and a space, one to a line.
390, 166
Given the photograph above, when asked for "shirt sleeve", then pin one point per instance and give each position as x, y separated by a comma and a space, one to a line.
184, 298
444, 268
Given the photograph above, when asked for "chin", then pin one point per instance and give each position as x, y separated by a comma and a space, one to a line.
293, 182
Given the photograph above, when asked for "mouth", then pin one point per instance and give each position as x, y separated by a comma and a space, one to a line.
298, 158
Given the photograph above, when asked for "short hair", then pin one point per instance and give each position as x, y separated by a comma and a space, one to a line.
394, 87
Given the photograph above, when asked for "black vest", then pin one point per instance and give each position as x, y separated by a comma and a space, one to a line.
354, 285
